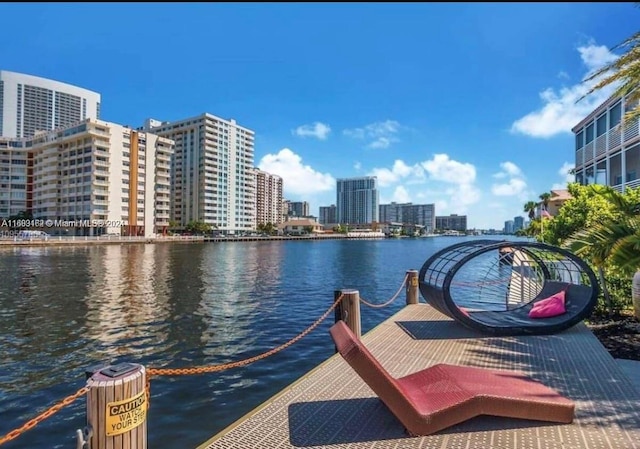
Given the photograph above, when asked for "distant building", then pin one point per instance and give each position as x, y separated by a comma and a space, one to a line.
213, 176
299, 226
357, 200
327, 214
557, 200
29, 103
518, 223
452, 222
268, 198
410, 214
607, 151
91, 171
509, 227
298, 209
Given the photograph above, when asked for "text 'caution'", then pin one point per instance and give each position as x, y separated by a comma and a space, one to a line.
123, 416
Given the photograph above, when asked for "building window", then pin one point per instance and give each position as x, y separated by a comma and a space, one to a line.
579, 140
601, 125
615, 114
589, 135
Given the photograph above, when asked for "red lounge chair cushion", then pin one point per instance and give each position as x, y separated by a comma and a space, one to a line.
549, 307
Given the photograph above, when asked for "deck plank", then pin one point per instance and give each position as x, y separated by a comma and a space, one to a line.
332, 407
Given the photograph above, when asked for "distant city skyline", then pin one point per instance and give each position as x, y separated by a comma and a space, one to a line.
479, 127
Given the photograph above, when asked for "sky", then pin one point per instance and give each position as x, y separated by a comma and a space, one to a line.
466, 106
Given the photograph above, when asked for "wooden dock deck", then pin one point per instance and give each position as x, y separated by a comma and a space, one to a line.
332, 407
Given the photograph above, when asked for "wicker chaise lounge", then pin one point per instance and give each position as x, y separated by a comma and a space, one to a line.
443, 395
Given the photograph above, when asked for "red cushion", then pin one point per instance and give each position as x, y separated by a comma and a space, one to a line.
551, 306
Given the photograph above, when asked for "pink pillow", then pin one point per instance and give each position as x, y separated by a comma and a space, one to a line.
551, 306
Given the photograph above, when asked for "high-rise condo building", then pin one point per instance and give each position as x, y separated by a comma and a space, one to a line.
268, 198
408, 213
608, 151
357, 200
89, 173
30, 103
451, 222
298, 209
213, 176
328, 214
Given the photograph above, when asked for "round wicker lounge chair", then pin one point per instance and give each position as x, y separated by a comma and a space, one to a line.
492, 285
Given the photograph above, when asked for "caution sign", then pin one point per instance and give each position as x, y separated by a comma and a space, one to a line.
123, 416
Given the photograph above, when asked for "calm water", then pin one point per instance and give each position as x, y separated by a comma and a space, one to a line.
179, 305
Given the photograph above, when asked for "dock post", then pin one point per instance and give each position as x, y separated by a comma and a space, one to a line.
349, 310
116, 407
412, 287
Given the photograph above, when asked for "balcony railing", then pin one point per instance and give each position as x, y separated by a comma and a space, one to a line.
630, 130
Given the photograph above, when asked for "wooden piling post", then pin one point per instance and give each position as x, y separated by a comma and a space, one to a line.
349, 310
412, 287
117, 407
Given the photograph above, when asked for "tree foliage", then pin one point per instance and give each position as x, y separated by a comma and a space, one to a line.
198, 227
623, 72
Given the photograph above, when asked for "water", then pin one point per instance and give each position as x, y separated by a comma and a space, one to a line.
179, 305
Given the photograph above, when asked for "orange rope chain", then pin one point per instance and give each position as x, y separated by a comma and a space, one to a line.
171, 372
377, 306
44, 415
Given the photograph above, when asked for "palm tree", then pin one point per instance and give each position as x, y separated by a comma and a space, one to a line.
616, 240
545, 197
530, 207
623, 71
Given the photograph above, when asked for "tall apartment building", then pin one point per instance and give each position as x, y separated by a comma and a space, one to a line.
357, 200
327, 214
608, 151
213, 173
268, 198
452, 222
518, 223
88, 172
408, 213
298, 209
30, 103
509, 227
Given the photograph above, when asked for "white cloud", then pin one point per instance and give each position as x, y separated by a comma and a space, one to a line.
297, 178
318, 130
442, 168
563, 75
400, 195
399, 171
560, 112
514, 186
567, 176
357, 166
380, 134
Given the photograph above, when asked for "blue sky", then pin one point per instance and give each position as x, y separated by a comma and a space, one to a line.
468, 106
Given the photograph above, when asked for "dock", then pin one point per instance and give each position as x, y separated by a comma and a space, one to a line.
331, 407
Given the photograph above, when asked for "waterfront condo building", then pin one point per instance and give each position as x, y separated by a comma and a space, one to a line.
452, 222
268, 198
298, 209
87, 173
30, 103
357, 200
408, 213
213, 177
608, 151
327, 214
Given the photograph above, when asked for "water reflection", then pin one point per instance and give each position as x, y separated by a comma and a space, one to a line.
128, 299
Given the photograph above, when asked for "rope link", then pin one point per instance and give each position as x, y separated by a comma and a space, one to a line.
42, 416
385, 304
239, 363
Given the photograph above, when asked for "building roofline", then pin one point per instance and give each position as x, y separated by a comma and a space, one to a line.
597, 111
54, 84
